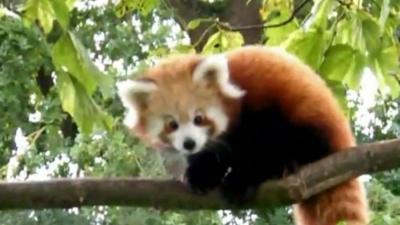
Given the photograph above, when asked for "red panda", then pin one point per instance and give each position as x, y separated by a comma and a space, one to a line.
242, 117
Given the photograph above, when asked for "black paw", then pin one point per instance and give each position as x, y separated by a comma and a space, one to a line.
237, 187
204, 173
201, 180
237, 194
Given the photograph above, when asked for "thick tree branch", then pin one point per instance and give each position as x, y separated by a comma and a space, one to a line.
168, 194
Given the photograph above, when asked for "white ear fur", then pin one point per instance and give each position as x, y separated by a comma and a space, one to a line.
219, 63
127, 91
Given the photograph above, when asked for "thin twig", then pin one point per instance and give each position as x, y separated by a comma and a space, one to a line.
204, 34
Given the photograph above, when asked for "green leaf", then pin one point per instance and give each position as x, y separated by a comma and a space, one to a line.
46, 11
234, 39
322, 9
279, 34
45, 14
273, 8
147, 6
345, 64
143, 6
339, 91
308, 46
61, 12
389, 59
223, 41
159, 52
385, 65
70, 56
193, 24
385, 9
347, 31
82, 108
185, 48
70, 4
371, 34
361, 31
213, 43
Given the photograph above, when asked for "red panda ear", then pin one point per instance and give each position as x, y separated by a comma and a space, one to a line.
214, 69
134, 96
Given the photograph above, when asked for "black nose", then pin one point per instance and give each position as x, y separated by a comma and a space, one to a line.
189, 144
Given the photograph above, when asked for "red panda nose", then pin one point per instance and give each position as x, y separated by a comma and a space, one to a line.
189, 144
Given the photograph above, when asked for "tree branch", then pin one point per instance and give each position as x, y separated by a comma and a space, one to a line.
169, 194
263, 26
236, 13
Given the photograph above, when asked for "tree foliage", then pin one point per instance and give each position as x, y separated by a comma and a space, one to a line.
59, 61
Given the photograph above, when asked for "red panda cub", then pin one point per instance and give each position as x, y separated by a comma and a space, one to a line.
241, 118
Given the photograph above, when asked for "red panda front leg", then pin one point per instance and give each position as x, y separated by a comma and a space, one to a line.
238, 187
207, 168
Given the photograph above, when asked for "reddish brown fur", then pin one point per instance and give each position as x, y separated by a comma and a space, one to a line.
269, 76
304, 95
294, 87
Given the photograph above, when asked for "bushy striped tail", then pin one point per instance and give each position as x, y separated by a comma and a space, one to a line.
346, 203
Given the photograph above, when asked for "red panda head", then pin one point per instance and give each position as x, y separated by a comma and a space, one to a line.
180, 103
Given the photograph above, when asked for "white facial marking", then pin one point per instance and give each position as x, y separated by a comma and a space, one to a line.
126, 91
189, 131
130, 119
155, 126
219, 117
219, 63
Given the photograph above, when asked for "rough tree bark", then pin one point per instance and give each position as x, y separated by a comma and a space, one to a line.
169, 194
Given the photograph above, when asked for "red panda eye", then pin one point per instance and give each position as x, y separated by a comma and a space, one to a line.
198, 120
173, 125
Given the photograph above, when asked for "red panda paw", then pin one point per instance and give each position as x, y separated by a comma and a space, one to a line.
204, 172
238, 195
200, 182
236, 190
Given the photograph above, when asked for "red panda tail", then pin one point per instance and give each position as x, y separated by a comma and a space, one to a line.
344, 203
